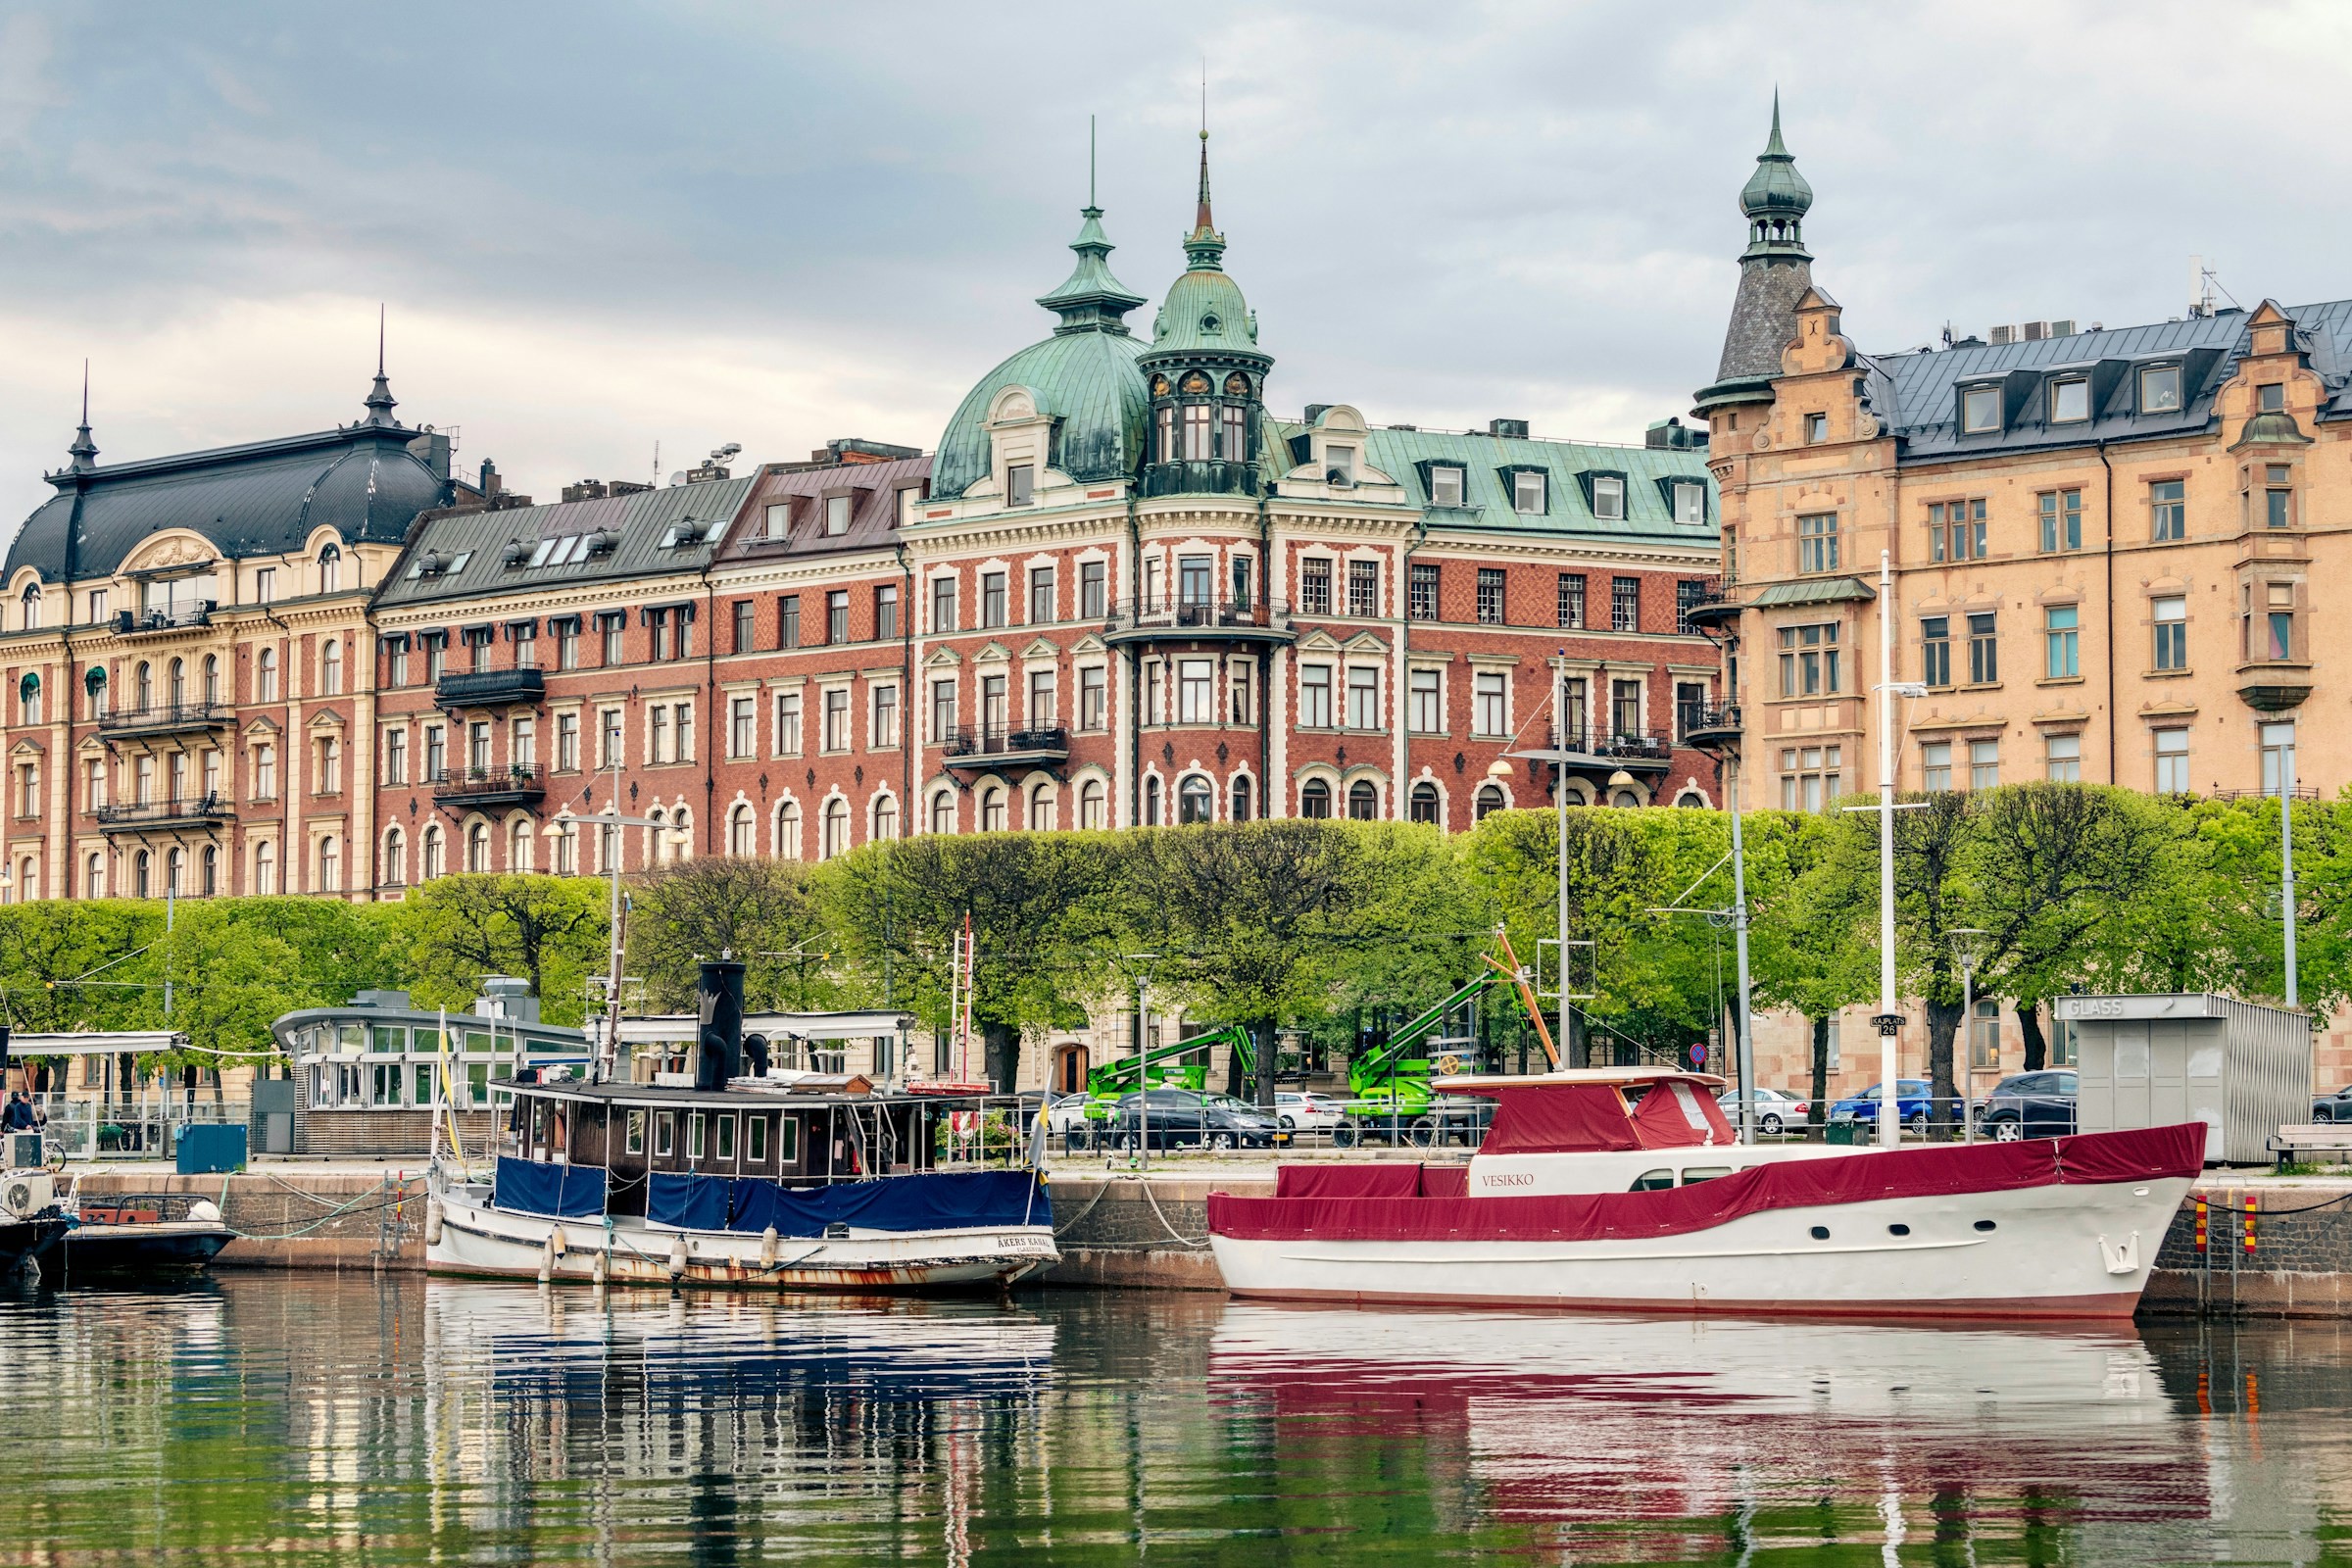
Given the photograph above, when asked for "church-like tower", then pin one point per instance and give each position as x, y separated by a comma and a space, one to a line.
1207, 375
1775, 270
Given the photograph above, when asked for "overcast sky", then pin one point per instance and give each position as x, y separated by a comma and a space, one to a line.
598, 228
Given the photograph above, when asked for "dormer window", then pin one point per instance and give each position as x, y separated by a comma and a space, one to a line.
1339, 464
1981, 411
1021, 488
777, 520
2270, 397
2070, 401
1608, 498
1446, 487
2160, 389
1527, 494
837, 515
1690, 502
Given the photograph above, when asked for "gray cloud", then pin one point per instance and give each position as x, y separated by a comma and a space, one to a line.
601, 227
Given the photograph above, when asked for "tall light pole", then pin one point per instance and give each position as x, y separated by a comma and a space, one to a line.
1889, 1021
2287, 863
1559, 790
566, 825
1964, 938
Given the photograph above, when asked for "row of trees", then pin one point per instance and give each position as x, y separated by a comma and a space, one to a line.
1288, 924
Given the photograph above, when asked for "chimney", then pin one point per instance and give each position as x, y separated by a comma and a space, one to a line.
720, 995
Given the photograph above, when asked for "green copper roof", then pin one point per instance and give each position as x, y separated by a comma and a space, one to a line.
1204, 311
1090, 299
1813, 590
1087, 380
1776, 189
1489, 505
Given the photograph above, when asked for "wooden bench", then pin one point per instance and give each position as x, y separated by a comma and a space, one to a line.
2312, 1137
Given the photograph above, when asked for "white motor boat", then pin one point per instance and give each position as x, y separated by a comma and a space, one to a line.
1624, 1189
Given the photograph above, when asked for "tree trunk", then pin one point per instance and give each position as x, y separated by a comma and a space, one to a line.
1818, 1110
1944, 1023
2029, 1024
1261, 1031
1000, 1048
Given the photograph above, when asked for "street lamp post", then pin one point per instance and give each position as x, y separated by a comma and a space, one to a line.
1964, 942
566, 825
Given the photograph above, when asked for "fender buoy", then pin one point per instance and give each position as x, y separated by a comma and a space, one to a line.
547, 1257
767, 1248
603, 1269
432, 1222
677, 1257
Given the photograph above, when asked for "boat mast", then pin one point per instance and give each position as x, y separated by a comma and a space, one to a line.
1889, 1021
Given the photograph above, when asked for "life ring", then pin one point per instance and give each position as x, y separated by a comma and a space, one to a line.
1450, 1063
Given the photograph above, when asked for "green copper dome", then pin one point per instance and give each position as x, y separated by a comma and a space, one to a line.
1084, 376
1776, 189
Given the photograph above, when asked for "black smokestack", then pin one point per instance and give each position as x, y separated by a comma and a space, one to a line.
722, 999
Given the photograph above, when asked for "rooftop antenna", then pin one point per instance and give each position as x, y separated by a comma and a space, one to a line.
379, 338
1090, 159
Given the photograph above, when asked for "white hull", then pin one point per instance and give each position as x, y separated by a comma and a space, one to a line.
468, 1237
2071, 1251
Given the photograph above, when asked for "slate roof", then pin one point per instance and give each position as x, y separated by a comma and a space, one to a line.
1406, 456
485, 538
1918, 395
264, 498
873, 512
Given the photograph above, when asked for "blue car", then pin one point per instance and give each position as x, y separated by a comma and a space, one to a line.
1910, 1104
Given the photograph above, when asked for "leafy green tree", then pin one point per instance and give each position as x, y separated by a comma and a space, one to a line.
764, 911
550, 930
1803, 951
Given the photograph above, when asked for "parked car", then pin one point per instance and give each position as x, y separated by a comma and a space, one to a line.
2332, 1108
1777, 1109
1911, 1098
1065, 1115
1310, 1111
2029, 1104
1180, 1118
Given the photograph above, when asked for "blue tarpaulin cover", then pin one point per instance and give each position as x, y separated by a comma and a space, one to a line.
568, 1192
958, 1200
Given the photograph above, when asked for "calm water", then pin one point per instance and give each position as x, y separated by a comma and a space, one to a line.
315, 1419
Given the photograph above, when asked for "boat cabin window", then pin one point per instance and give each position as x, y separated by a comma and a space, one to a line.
787, 1140
636, 1134
694, 1136
755, 1140
723, 1146
1652, 1181
1695, 1174
666, 1131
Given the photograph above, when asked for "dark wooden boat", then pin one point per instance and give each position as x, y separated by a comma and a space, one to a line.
144, 1234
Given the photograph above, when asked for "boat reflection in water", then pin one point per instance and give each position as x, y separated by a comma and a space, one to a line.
1771, 1430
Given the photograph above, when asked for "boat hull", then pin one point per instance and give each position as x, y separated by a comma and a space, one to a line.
2078, 1250
480, 1241
29, 1240
137, 1250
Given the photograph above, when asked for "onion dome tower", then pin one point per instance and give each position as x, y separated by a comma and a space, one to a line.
1775, 270
1207, 375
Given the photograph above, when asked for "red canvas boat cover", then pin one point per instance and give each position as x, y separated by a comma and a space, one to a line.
1932, 1170
1578, 1119
1385, 1180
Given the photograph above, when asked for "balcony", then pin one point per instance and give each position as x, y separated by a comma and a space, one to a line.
989, 746
147, 623
490, 688
1715, 607
199, 811
2273, 685
169, 718
486, 787
1184, 619
1709, 728
1602, 748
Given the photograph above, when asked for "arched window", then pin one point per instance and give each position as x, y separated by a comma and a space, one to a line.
330, 864
28, 697
1090, 804
1626, 798
93, 682
208, 877
330, 669
142, 686
429, 862
743, 832
943, 811
1152, 803
837, 828
1314, 799
1044, 810
1196, 802
32, 606
176, 866
477, 846
886, 819
788, 830
265, 867
176, 682
331, 571
1363, 801
1425, 802
1691, 797
396, 859
992, 811
1242, 799
141, 869
212, 677
518, 845
1490, 800
94, 876
681, 848
264, 676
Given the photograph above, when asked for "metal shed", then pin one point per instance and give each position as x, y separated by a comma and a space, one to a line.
2242, 1069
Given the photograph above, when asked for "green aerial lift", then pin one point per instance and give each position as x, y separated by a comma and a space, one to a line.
1182, 1065
1389, 1086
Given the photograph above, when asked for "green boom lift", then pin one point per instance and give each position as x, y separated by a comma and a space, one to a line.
1389, 1086
1182, 1065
